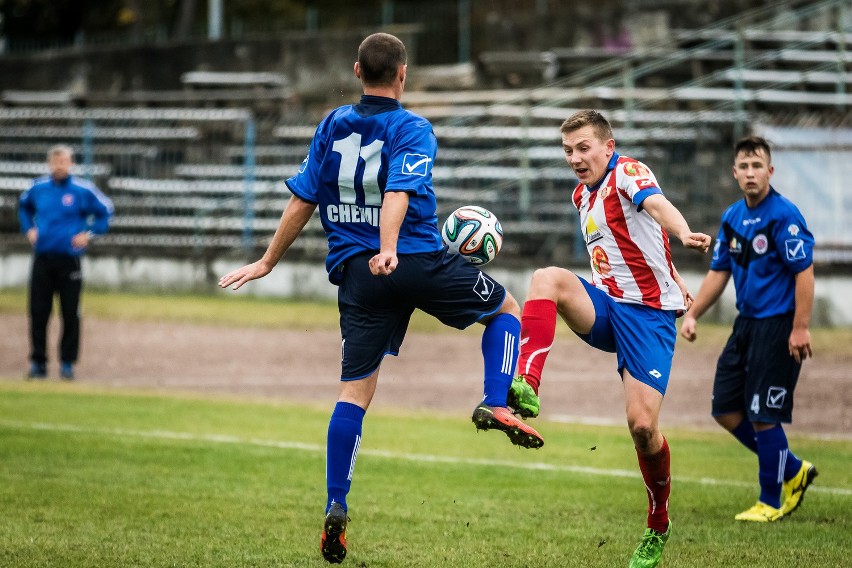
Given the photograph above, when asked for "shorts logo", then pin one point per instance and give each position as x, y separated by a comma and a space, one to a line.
795, 249
68, 200
415, 164
484, 287
760, 244
775, 397
655, 373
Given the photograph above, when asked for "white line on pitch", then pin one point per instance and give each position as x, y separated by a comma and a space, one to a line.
420, 458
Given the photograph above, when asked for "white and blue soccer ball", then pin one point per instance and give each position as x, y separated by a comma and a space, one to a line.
473, 232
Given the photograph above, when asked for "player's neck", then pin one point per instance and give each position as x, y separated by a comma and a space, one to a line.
391, 92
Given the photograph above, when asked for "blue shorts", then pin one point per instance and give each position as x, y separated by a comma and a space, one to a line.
756, 373
375, 310
643, 338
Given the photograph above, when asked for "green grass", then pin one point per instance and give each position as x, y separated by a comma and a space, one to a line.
94, 478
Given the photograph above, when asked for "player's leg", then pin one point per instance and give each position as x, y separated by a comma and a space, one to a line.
773, 375
728, 403
40, 305
70, 285
458, 294
552, 291
372, 325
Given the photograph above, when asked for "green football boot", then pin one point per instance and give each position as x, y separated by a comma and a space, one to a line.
650, 549
522, 398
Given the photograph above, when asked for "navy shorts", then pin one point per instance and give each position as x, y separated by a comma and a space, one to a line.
375, 310
642, 337
756, 373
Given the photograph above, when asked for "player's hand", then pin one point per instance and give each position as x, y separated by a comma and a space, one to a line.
684, 291
80, 240
687, 328
800, 344
32, 235
697, 241
242, 275
383, 263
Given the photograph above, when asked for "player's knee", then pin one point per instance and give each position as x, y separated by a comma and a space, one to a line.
510, 306
545, 283
644, 433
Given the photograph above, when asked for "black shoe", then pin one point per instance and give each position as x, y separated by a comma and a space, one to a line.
333, 540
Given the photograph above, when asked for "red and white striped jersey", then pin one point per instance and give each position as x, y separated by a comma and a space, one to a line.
629, 251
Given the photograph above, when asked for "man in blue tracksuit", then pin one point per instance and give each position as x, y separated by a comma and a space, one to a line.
60, 214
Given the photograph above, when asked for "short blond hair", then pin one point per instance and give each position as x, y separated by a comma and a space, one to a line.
588, 117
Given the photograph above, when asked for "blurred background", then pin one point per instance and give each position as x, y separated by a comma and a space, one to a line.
189, 114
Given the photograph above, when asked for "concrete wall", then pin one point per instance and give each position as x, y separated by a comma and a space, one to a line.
833, 305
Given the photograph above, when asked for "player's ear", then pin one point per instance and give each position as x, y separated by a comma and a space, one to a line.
610, 146
403, 69
357, 70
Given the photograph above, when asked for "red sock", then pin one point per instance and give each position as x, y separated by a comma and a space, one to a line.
538, 328
656, 472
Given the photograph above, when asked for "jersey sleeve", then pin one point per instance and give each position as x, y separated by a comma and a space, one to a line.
794, 242
411, 157
637, 181
99, 207
721, 259
305, 184
26, 211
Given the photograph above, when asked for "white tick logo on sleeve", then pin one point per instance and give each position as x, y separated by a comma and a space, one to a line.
415, 164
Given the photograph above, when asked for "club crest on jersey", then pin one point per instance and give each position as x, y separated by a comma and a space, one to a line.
603, 192
795, 249
68, 199
793, 229
635, 169
760, 244
415, 164
600, 261
484, 287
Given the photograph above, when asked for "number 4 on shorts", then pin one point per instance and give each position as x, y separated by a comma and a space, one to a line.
755, 404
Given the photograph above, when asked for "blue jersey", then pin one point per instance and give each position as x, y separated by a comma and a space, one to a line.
60, 210
764, 248
359, 153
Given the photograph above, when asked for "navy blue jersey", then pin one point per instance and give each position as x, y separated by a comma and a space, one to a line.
358, 153
764, 248
60, 210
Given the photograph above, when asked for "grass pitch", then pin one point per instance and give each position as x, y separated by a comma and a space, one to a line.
93, 478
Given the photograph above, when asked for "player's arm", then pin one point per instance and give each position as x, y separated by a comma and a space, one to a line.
670, 219
711, 288
800, 337
296, 215
394, 207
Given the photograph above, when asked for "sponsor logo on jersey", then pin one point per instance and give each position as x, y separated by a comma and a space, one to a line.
775, 397
68, 199
600, 261
795, 249
635, 169
747, 222
304, 165
793, 229
735, 247
592, 232
415, 164
350, 213
760, 243
484, 287
645, 183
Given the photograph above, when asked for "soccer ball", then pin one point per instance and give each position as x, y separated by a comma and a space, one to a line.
473, 232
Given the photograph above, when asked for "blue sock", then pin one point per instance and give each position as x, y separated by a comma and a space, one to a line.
792, 464
344, 438
744, 432
772, 453
500, 352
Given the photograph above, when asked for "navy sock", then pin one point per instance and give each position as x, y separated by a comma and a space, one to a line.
792, 464
772, 453
500, 352
744, 432
344, 438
